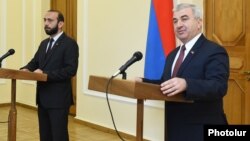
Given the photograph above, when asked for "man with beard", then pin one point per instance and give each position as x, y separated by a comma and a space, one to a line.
57, 56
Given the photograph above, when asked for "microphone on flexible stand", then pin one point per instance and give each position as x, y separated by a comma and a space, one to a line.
10, 52
136, 57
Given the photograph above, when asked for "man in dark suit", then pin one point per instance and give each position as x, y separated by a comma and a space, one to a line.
57, 56
202, 77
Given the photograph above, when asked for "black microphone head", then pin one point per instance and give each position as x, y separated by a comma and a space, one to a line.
11, 51
138, 55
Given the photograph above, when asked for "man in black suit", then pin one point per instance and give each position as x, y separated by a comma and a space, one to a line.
60, 62
202, 77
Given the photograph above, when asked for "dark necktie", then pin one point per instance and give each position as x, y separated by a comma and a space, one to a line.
50, 45
179, 61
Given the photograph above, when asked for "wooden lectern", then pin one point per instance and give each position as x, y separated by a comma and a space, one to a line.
14, 75
137, 90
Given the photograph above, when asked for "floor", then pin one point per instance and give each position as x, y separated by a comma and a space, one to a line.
27, 127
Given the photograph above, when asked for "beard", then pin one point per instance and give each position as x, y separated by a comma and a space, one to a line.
51, 31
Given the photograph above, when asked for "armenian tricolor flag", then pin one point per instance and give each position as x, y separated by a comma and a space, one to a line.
161, 38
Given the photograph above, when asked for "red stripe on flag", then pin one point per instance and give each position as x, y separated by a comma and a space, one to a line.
164, 17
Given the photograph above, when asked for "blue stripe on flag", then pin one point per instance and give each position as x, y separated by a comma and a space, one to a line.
155, 58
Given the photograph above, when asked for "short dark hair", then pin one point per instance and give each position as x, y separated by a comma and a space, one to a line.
60, 15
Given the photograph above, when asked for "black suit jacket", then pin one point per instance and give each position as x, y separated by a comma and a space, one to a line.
206, 71
60, 64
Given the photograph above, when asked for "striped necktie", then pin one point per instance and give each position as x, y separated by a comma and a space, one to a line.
50, 45
179, 61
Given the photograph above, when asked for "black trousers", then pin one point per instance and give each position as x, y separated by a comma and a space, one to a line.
53, 124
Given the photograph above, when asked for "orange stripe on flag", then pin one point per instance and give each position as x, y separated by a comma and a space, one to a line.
164, 15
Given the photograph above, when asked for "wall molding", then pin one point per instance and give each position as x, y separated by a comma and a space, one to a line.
24, 33
3, 32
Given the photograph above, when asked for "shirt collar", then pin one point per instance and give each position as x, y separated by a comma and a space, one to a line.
57, 36
191, 43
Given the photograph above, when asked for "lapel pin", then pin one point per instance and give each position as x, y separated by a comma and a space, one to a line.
192, 52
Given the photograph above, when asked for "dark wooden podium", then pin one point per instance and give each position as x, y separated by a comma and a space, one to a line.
136, 90
14, 75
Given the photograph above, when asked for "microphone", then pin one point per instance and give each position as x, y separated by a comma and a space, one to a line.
136, 57
10, 52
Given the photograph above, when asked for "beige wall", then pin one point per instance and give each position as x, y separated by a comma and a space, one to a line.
21, 28
109, 32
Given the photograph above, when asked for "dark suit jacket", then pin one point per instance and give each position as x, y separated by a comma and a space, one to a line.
206, 71
60, 64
